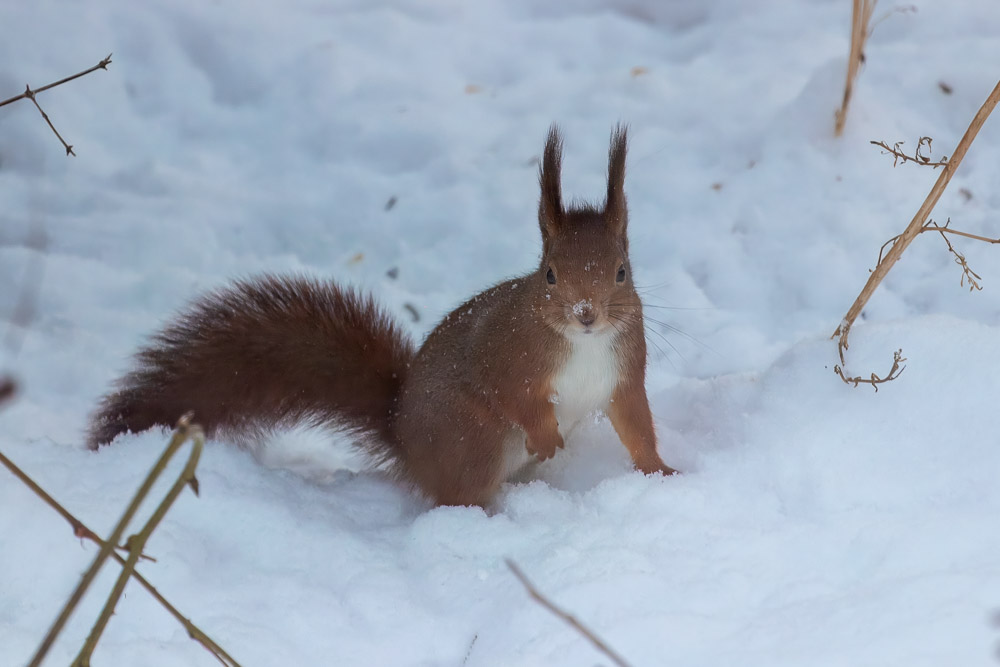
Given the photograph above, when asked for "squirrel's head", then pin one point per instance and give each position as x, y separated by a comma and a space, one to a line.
585, 269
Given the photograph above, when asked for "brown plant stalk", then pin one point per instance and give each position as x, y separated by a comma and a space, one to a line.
916, 224
30, 95
184, 432
968, 274
565, 616
82, 531
137, 541
861, 16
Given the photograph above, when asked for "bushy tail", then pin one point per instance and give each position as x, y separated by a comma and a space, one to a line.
267, 353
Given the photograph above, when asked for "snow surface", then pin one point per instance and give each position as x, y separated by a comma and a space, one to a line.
814, 524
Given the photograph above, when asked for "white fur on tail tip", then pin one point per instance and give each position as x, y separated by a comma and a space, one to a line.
587, 379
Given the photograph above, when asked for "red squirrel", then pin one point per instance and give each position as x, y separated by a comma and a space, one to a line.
503, 378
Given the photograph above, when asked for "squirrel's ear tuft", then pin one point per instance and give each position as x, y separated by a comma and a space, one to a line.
550, 210
615, 207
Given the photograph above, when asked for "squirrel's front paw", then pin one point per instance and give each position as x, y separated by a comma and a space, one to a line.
544, 447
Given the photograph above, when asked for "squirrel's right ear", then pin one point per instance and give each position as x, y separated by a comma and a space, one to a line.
550, 210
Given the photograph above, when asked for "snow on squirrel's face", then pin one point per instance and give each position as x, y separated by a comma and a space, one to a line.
587, 279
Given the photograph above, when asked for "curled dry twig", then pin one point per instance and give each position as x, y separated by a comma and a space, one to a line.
30, 95
917, 158
875, 380
568, 618
917, 224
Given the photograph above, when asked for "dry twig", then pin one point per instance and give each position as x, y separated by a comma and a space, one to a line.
184, 432
917, 224
875, 380
967, 273
916, 158
30, 94
861, 17
82, 531
579, 627
79, 529
137, 541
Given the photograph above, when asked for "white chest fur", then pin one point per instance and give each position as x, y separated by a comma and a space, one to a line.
587, 379
583, 385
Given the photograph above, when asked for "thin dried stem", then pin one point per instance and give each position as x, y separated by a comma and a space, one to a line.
82, 531
932, 227
30, 94
568, 618
916, 158
138, 541
875, 380
917, 223
184, 431
861, 17
79, 529
967, 273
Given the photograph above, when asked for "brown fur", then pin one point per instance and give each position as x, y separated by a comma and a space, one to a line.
270, 352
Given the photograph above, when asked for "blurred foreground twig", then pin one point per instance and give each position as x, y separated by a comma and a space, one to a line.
185, 431
568, 618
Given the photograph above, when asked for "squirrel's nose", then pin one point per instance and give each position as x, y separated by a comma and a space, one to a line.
586, 317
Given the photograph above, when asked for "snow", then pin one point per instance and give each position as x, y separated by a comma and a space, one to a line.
814, 523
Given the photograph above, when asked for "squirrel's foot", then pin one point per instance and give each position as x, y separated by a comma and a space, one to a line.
545, 446
657, 467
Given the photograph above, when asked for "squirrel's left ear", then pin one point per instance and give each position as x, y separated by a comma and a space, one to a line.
615, 207
550, 210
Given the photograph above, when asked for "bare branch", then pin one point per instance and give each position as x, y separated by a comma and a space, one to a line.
136, 542
931, 226
79, 529
916, 158
875, 380
184, 431
917, 223
82, 531
30, 94
579, 627
101, 65
967, 273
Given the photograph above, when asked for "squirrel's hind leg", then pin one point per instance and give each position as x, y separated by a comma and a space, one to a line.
457, 454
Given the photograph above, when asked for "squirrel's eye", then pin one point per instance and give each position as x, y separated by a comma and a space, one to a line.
620, 278
550, 277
